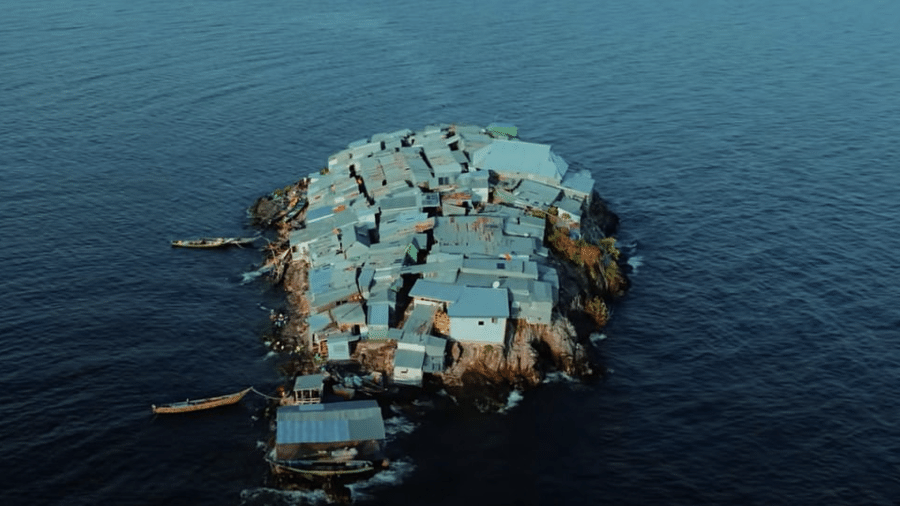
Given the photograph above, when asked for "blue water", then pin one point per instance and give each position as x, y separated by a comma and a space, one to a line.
750, 149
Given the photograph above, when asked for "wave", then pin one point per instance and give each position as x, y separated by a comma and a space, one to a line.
394, 475
398, 425
264, 496
515, 397
634, 262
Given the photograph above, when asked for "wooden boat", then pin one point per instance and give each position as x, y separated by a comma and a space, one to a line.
213, 242
199, 404
311, 469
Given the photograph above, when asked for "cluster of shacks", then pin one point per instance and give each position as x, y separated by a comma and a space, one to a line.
448, 216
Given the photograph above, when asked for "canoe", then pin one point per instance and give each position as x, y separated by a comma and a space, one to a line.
315, 469
213, 242
199, 404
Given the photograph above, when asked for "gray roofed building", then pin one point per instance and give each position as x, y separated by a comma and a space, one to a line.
578, 184
480, 302
536, 306
479, 315
433, 292
409, 359
350, 314
308, 381
521, 159
339, 346
318, 322
411, 201
476, 183
408, 366
472, 141
404, 223
378, 319
336, 423
308, 389
500, 268
524, 226
535, 194
514, 285
468, 234
363, 148
420, 320
569, 209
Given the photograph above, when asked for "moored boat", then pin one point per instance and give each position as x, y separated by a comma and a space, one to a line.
316, 469
200, 404
328, 440
213, 242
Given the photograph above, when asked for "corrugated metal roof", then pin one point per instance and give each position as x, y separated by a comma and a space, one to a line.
350, 313
309, 381
379, 314
339, 346
420, 320
517, 157
481, 302
570, 206
329, 423
431, 290
500, 268
514, 285
409, 359
536, 194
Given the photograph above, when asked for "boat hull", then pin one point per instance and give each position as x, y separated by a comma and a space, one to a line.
213, 242
200, 404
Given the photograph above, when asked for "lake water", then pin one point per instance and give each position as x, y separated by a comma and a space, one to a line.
750, 149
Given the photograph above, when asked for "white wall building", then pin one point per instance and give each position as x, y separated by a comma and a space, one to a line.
479, 315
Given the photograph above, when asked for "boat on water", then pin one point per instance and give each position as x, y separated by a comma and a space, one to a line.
318, 469
317, 440
213, 242
200, 404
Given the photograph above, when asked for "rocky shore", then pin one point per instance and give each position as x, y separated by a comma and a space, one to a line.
587, 268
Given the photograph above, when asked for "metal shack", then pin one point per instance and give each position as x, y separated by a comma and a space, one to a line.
312, 431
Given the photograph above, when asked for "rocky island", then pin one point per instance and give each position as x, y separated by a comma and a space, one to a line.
455, 257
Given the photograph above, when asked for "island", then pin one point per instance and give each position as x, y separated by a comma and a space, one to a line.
456, 258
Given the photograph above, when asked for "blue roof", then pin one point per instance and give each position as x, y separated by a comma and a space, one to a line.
481, 302
409, 359
519, 157
580, 181
329, 423
432, 290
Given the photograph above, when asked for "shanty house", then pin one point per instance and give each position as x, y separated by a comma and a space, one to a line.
479, 315
308, 389
302, 431
521, 160
408, 366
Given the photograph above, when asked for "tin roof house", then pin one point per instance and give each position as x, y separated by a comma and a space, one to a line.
521, 160
479, 315
312, 431
408, 366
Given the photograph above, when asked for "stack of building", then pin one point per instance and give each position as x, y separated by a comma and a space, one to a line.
448, 216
